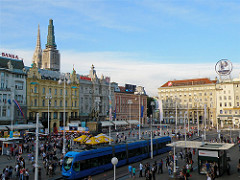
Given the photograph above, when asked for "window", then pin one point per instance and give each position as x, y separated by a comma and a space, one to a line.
4, 112
5, 98
55, 103
60, 103
230, 112
19, 85
75, 92
35, 89
55, 91
0, 100
66, 105
35, 102
220, 98
225, 97
229, 98
66, 92
61, 92
43, 102
67, 163
76, 104
50, 91
43, 90
55, 115
230, 104
221, 111
76, 166
225, 104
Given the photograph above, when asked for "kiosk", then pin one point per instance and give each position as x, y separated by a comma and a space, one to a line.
208, 154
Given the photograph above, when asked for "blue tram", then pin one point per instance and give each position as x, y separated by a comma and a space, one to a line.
77, 165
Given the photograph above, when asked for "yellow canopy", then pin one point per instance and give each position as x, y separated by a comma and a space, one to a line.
81, 139
103, 138
92, 141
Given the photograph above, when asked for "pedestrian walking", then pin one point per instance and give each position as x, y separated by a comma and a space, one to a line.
160, 167
130, 171
140, 169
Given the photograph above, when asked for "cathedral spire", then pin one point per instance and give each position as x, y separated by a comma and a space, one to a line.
51, 38
37, 56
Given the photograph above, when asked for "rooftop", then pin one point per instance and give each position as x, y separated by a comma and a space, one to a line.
188, 82
202, 145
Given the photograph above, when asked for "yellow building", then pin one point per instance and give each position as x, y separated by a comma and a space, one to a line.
195, 97
42, 87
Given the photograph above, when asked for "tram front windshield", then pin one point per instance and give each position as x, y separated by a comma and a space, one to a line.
67, 163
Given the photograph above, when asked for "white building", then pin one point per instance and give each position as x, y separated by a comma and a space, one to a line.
228, 102
12, 91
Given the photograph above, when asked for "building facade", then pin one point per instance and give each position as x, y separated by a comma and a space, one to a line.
196, 98
13, 106
130, 105
228, 102
43, 88
94, 95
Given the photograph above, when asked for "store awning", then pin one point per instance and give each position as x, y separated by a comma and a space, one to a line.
133, 122
106, 123
120, 123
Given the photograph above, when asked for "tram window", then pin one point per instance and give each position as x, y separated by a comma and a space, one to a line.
134, 152
76, 166
121, 155
84, 165
145, 149
67, 163
104, 159
154, 146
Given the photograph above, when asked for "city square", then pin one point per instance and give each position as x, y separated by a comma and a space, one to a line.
106, 90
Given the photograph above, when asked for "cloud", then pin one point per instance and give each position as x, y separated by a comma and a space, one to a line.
125, 68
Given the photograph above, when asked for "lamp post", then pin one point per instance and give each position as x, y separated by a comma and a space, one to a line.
49, 97
114, 162
176, 121
185, 128
36, 153
64, 109
174, 154
130, 102
197, 118
152, 104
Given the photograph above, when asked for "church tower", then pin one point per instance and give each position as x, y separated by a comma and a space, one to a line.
37, 56
50, 55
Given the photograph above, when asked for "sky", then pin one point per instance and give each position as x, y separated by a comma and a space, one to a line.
141, 42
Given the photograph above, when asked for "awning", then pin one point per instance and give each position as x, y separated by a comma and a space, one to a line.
20, 126
106, 123
120, 123
133, 121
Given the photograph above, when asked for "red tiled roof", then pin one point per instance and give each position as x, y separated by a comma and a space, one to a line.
187, 82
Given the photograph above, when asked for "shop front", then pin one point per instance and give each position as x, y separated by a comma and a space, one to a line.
207, 159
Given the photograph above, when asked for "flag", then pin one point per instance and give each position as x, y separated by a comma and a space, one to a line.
15, 101
142, 109
9, 101
160, 110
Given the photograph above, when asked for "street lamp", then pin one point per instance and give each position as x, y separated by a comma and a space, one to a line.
197, 117
184, 119
114, 162
49, 97
64, 103
174, 154
130, 102
152, 104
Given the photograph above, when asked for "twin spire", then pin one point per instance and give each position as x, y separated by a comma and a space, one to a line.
41, 58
